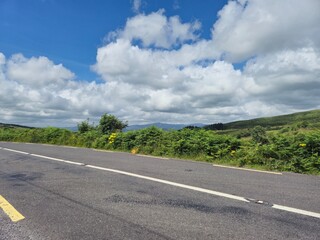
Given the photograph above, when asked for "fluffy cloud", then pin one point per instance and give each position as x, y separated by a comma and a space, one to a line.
291, 78
36, 71
247, 28
120, 61
157, 30
157, 69
29, 88
61, 98
192, 80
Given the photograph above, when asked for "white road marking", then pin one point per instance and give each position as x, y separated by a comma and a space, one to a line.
100, 150
198, 189
148, 156
52, 145
58, 159
296, 210
247, 169
16, 151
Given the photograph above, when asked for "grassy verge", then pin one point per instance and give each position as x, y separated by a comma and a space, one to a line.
286, 149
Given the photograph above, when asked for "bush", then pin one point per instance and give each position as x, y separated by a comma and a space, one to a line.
85, 126
109, 124
258, 135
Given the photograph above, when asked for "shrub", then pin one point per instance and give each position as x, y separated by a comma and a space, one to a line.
258, 135
109, 124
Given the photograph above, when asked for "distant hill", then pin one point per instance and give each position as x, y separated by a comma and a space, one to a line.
73, 129
277, 121
13, 125
164, 126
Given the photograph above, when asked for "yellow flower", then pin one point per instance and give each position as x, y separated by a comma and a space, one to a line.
302, 145
134, 150
112, 137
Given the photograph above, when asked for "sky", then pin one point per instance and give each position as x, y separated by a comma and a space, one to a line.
146, 61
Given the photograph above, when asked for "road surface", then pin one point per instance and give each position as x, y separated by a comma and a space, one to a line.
76, 193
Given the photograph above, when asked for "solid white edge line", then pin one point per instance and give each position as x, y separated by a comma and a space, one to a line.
101, 150
172, 183
296, 210
148, 156
247, 169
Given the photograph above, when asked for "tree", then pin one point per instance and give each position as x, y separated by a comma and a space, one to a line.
215, 126
85, 126
109, 124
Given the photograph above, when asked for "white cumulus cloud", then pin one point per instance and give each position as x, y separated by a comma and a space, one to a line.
249, 28
36, 71
159, 69
290, 78
155, 29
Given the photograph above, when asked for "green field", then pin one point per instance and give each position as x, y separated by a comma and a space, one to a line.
311, 118
281, 143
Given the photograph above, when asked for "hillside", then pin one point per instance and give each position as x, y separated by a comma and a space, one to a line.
308, 117
5, 125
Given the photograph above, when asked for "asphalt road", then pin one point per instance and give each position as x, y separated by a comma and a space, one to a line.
73, 193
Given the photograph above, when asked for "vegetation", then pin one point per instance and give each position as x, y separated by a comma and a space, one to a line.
310, 117
292, 147
110, 124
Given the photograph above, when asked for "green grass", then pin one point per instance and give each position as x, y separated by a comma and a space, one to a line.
301, 119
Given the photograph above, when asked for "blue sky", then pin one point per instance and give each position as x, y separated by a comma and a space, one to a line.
69, 32
173, 61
